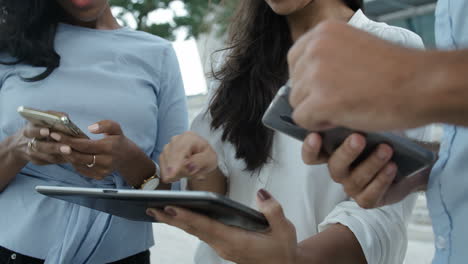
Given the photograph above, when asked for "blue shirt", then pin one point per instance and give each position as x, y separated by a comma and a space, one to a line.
448, 185
123, 75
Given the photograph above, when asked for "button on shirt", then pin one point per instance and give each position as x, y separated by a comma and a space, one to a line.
447, 193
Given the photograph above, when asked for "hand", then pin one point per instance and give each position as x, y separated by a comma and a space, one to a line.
371, 182
187, 156
278, 245
31, 144
97, 159
342, 76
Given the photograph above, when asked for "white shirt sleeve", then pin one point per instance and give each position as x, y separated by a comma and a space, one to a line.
382, 232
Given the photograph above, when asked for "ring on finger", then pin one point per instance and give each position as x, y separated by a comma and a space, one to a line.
32, 144
92, 164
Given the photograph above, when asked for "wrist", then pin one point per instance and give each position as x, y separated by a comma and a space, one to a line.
446, 87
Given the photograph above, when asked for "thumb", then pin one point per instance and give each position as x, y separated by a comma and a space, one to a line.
108, 127
272, 210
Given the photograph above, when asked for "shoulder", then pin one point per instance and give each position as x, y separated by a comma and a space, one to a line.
144, 36
387, 32
144, 39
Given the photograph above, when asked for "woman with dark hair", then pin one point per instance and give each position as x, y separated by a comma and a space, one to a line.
229, 151
71, 56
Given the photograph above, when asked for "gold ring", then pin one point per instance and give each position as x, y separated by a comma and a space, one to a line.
32, 145
93, 163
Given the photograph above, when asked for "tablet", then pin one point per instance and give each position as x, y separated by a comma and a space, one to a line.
410, 157
132, 204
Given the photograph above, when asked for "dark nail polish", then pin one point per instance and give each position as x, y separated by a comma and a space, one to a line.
263, 195
170, 211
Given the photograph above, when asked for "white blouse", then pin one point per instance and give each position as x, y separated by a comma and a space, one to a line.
311, 200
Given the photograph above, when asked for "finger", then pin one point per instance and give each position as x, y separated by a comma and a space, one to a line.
108, 127
362, 175
170, 170
163, 168
41, 159
32, 131
307, 115
82, 160
376, 190
205, 228
200, 164
272, 210
178, 152
50, 148
311, 150
340, 161
83, 145
300, 81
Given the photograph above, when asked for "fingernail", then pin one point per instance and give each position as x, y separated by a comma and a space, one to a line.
170, 211
191, 167
383, 153
65, 149
312, 141
93, 128
44, 132
354, 143
263, 195
150, 212
390, 171
56, 136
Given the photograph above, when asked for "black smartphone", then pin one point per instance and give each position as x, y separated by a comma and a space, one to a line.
410, 157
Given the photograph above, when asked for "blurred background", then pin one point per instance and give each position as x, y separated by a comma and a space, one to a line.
197, 29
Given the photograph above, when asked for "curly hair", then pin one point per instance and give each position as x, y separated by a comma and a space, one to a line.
27, 33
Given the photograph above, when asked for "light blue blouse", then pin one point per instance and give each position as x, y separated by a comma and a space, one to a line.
123, 75
447, 193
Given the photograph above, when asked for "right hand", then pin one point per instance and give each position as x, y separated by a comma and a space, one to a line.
43, 152
371, 182
187, 156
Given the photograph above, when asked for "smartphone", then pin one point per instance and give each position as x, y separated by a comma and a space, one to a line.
132, 204
410, 157
56, 122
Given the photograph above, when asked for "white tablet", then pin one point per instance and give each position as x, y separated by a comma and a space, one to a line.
132, 204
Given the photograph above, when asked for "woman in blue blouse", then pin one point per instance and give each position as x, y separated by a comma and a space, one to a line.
71, 56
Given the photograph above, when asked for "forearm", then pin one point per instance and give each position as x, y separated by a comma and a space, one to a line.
10, 164
447, 85
214, 182
337, 244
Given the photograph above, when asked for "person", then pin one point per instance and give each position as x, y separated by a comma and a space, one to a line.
390, 87
229, 151
73, 57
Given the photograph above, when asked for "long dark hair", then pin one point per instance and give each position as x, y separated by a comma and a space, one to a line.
27, 33
255, 68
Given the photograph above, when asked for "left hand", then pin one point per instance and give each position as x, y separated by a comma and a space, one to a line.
277, 245
97, 159
342, 76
